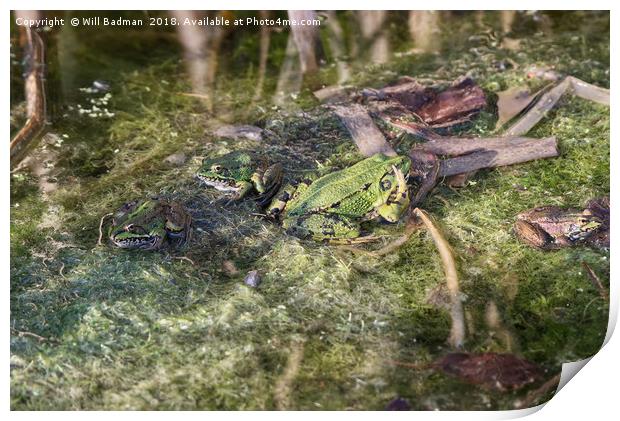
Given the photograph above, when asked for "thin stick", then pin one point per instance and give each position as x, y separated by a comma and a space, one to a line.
596, 281
457, 332
40, 338
184, 258
62, 267
99, 243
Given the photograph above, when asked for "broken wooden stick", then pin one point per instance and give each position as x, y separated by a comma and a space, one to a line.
588, 91
456, 146
363, 130
515, 152
548, 100
35, 96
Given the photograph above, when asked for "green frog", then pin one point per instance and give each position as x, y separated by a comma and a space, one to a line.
150, 224
333, 206
239, 173
551, 227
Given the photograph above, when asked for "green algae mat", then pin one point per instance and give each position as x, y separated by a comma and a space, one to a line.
132, 116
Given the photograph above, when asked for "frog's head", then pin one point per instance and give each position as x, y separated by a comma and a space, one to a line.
393, 188
226, 172
138, 226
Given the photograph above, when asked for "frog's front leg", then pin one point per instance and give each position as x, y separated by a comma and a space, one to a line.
243, 189
267, 183
177, 230
398, 201
322, 226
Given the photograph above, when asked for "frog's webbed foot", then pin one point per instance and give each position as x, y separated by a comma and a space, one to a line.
179, 235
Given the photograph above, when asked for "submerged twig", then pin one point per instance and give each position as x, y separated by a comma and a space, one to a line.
99, 243
596, 281
457, 332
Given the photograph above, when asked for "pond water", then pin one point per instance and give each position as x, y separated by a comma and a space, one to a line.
132, 112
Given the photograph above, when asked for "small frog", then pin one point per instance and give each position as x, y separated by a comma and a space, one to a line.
551, 227
237, 173
150, 224
333, 206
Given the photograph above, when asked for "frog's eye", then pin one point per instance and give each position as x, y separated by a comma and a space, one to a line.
386, 185
216, 168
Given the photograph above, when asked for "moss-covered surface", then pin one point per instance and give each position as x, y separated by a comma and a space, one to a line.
99, 328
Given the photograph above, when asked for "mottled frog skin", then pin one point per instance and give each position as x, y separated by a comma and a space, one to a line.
239, 174
150, 225
551, 227
333, 206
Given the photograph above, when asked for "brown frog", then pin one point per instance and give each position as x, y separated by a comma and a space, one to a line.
150, 224
551, 227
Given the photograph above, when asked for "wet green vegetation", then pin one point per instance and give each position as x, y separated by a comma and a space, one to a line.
99, 328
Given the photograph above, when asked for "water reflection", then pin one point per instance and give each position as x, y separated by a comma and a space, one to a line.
373, 26
424, 30
281, 60
201, 47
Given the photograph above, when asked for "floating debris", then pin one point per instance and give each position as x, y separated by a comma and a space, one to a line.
176, 159
252, 279
97, 106
101, 85
240, 132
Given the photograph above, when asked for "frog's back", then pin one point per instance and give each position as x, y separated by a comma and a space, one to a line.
335, 188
